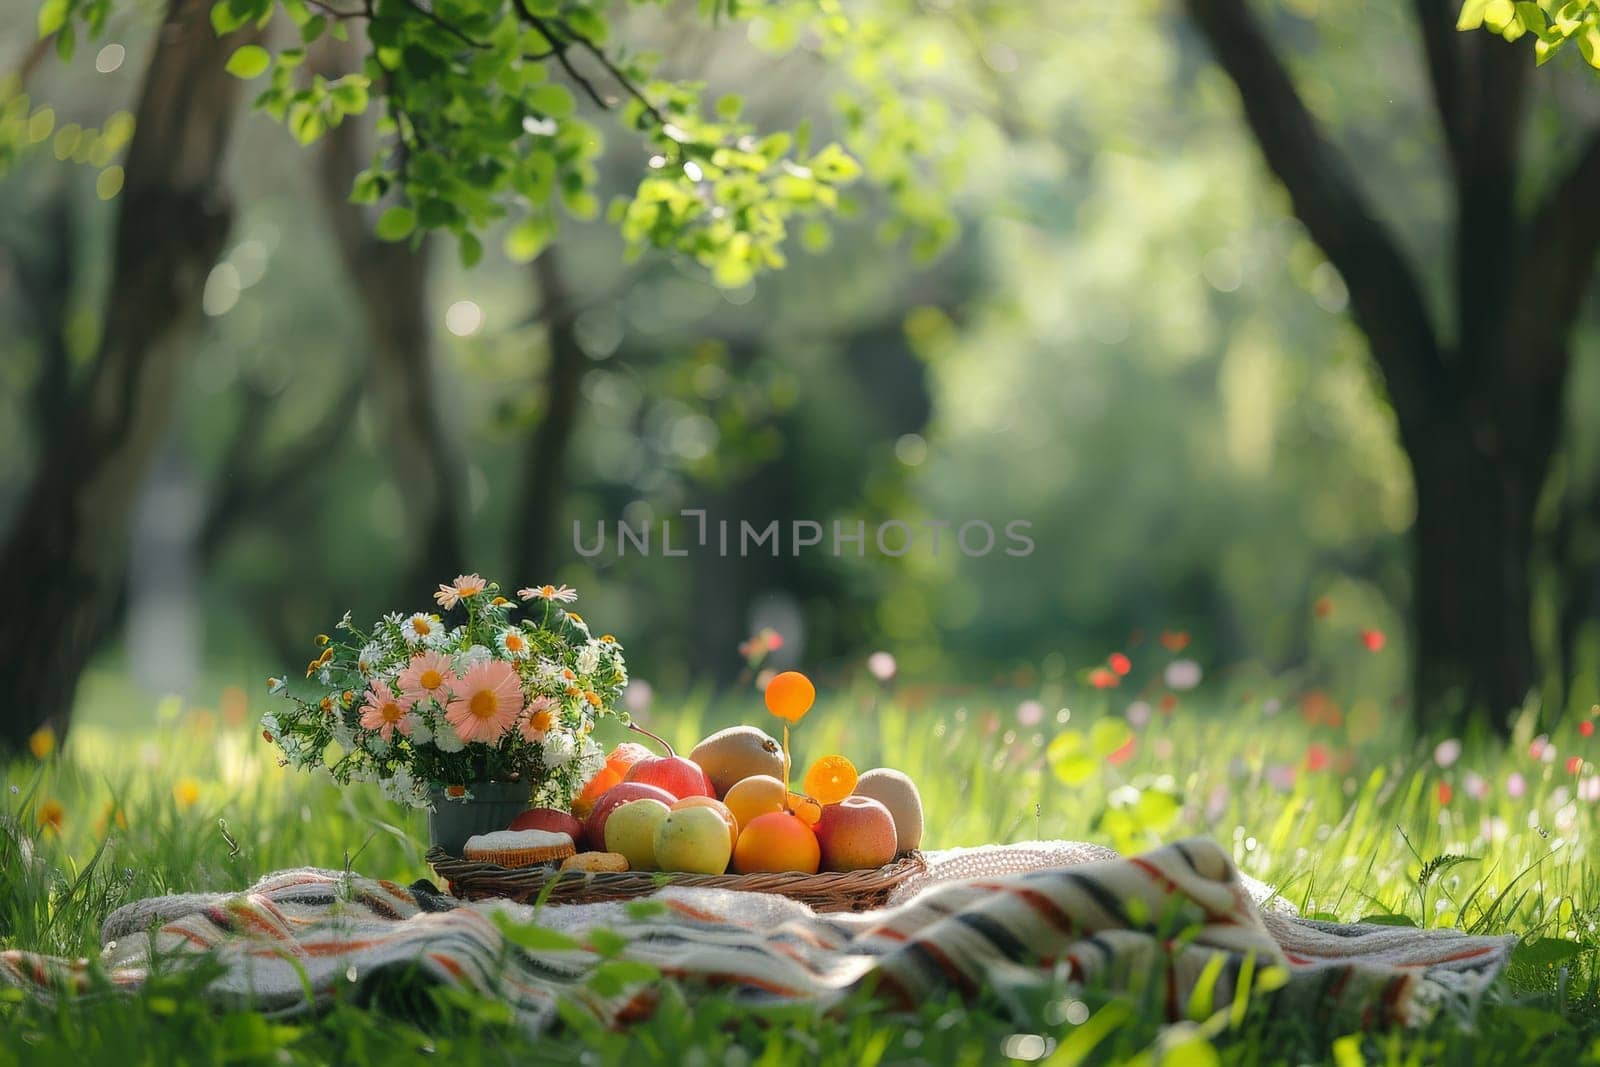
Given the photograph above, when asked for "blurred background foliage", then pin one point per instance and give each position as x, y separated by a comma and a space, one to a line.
1126, 339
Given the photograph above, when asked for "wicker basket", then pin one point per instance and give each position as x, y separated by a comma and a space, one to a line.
847, 891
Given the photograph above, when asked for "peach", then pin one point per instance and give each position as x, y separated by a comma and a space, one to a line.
855, 834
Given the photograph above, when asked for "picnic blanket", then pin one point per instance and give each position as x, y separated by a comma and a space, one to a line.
992, 923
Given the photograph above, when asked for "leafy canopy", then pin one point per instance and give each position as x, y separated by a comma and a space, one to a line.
1553, 24
482, 106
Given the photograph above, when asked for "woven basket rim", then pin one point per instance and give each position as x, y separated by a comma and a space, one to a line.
476, 878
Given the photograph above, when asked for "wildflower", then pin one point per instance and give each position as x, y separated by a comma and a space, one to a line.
501, 602
1446, 752
420, 629
51, 815
426, 677
638, 697
111, 815
1030, 713
42, 742
1475, 785
487, 702
1445, 793
881, 665
1516, 785
1120, 663
186, 792
322, 639
539, 718
514, 643
1182, 674
1586, 728
471, 658
1574, 764
276, 685
589, 658
1374, 640
1316, 757
367, 659
1101, 678
556, 594
344, 621
383, 712
1174, 641
592, 697
577, 620
465, 587
1124, 752
559, 749
1138, 714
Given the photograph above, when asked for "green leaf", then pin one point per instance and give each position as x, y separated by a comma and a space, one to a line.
1385, 919
471, 250
553, 101
52, 16
249, 61
227, 17
533, 937
396, 224
1497, 14
730, 106
528, 238
1471, 16
1546, 952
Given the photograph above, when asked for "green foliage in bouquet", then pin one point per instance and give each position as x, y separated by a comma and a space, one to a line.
492, 689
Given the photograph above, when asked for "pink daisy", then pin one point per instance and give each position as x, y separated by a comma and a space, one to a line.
427, 677
384, 713
488, 701
540, 717
464, 587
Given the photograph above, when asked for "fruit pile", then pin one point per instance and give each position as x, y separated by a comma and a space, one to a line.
728, 805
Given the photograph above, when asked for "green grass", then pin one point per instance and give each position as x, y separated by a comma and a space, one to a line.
192, 800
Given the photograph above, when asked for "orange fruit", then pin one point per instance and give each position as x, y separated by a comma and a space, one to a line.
831, 779
807, 808
717, 806
790, 695
584, 802
777, 841
756, 795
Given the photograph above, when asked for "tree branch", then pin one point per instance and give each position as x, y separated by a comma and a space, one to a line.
1441, 44
1385, 297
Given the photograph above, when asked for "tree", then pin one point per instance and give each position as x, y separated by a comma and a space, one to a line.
64, 554
1478, 390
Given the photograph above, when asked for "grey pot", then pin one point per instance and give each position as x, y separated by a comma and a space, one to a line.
492, 807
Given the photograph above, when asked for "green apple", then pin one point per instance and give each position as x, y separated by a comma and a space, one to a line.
631, 830
694, 840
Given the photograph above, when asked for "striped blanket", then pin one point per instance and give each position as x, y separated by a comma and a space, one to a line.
1180, 916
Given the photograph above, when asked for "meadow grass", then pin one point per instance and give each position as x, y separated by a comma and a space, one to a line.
1330, 803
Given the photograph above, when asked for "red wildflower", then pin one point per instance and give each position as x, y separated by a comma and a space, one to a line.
1169, 704
1445, 793
1574, 764
1120, 663
1373, 639
1323, 607
1174, 640
1123, 753
1316, 757
1586, 727
1101, 678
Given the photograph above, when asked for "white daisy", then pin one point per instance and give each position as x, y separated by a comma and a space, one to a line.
420, 629
559, 749
589, 658
514, 643
276, 685
368, 658
556, 594
448, 740
344, 623
465, 661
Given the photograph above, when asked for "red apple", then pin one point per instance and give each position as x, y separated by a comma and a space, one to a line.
595, 827
855, 834
676, 774
552, 819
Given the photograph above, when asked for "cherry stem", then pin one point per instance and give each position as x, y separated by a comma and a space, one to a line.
658, 740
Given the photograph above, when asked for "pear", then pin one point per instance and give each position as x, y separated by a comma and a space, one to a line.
739, 752
897, 792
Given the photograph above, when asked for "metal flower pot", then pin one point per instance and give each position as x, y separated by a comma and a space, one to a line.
492, 807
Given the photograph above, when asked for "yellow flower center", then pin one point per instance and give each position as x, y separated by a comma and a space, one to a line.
514, 643
547, 590
421, 626
430, 679
484, 704
391, 712
541, 719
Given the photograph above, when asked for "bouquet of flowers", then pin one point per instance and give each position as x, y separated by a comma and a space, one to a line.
485, 689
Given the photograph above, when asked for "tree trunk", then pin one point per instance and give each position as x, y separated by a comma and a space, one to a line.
64, 559
536, 551
1471, 610
391, 282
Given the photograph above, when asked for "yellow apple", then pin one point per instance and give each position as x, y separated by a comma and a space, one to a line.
691, 839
